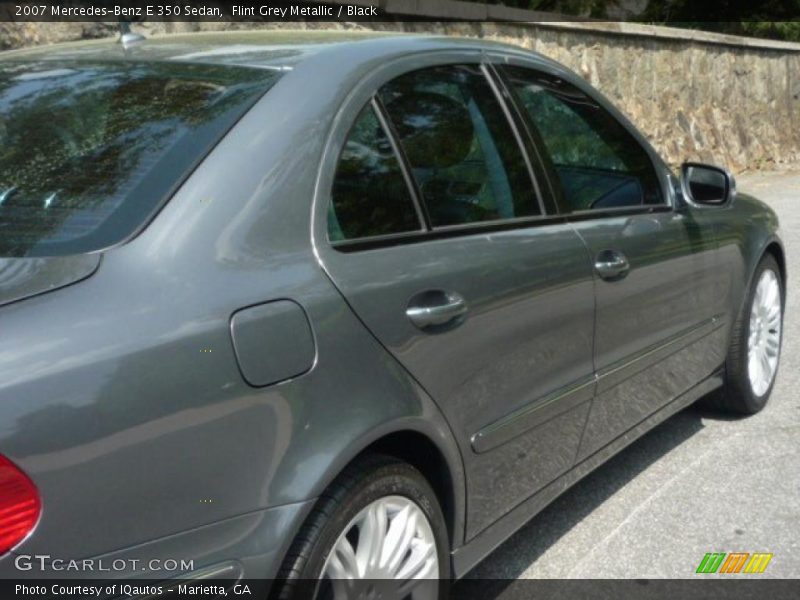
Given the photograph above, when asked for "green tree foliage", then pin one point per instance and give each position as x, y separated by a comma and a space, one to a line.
597, 9
775, 19
776, 30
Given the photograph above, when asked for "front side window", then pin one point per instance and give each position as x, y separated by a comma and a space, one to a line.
370, 196
600, 165
460, 146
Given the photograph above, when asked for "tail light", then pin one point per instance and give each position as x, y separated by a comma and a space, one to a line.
20, 505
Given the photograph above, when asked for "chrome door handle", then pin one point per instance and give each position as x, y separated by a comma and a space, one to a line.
435, 309
611, 265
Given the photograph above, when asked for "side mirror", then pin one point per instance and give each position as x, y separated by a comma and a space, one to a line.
706, 185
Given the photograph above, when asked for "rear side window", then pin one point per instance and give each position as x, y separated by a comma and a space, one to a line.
599, 163
370, 196
462, 151
89, 151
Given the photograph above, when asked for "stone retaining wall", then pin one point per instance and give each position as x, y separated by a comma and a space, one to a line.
713, 98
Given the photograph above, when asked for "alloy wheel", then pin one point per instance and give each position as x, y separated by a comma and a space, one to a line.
764, 340
387, 550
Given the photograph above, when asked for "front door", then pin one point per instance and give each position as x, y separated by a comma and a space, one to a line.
656, 284
656, 333
440, 242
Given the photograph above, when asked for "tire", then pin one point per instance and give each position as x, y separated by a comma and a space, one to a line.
374, 482
739, 394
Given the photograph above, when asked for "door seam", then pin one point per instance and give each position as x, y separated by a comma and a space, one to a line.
595, 376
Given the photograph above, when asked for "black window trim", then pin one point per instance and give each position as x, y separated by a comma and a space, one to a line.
534, 146
484, 227
449, 231
555, 211
539, 172
405, 167
487, 74
576, 215
427, 231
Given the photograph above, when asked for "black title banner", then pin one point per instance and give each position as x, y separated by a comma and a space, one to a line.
734, 588
189, 10
658, 11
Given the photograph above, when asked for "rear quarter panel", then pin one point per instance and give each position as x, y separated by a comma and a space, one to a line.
121, 396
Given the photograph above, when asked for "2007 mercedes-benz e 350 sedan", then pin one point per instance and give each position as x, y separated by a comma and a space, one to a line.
311, 307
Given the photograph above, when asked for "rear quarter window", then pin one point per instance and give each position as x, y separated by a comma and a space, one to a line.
370, 196
90, 151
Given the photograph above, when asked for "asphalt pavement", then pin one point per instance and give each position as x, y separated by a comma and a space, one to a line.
697, 483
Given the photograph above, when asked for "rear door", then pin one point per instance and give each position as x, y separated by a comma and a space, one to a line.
437, 236
658, 330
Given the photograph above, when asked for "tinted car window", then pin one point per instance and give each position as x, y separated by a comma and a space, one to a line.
370, 194
599, 163
460, 146
88, 152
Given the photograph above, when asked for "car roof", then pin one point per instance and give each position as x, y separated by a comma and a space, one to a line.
265, 49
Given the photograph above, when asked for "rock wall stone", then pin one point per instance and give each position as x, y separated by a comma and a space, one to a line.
719, 104
733, 104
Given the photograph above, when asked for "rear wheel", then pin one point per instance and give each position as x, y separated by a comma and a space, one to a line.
377, 531
754, 354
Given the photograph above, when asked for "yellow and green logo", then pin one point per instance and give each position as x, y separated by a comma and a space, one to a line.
734, 562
